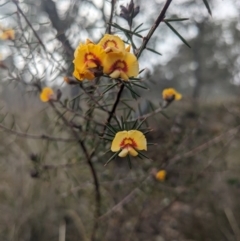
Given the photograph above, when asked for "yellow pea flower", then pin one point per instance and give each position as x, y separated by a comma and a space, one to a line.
47, 94
7, 34
171, 94
112, 43
129, 142
121, 65
88, 57
161, 175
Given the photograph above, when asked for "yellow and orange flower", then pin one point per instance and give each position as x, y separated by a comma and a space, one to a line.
161, 175
47, 94
171, 94
112, 43
129, 142
121, 65
109, 56
88, 57
7, 34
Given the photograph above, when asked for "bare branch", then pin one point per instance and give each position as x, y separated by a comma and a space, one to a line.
37, 137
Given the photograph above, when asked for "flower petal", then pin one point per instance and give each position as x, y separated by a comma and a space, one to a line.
178, 96
124, 62
87, 56
132, 62
128, 48
171, 94
112, 43
83, 73
7, 34
115, 74
119, 137
132, 151
139, 139
161, 175
46, 94
123, 76
123, 153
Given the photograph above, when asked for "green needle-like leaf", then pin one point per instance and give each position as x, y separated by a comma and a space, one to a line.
125, 30
175, 19
107, 139
111, 129
140, 86
129, 162
109, 88
134, 124
133, 93
142, 30
207, 6
175, 31
137, 27
112, 157
128, 106
142, 155
140, 124
118, 122
154, 51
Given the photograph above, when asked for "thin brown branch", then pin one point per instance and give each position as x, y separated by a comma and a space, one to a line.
125, 200
108, 30
29, 24
92, 98
153, 28
158, 110
90, 164
37, 137
77, 114
58, 24
78, 223
223, 136
37, 36
114, 107
233, 222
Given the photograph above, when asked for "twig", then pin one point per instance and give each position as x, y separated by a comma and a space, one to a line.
43, 136
112, 112
204, 146
36, 34
89, 162
58, 24
111, 16
92, 98
158, 110
53, 166
125, 200
78, 223
153, 28
78, 114
29, 24
233, 222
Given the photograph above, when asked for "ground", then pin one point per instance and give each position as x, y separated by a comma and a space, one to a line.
198, 146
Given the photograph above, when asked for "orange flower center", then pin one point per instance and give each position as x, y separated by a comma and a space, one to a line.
90, 57
126, 142
110, 43
120, 65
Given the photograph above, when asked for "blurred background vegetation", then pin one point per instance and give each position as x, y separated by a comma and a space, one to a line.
46, 188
